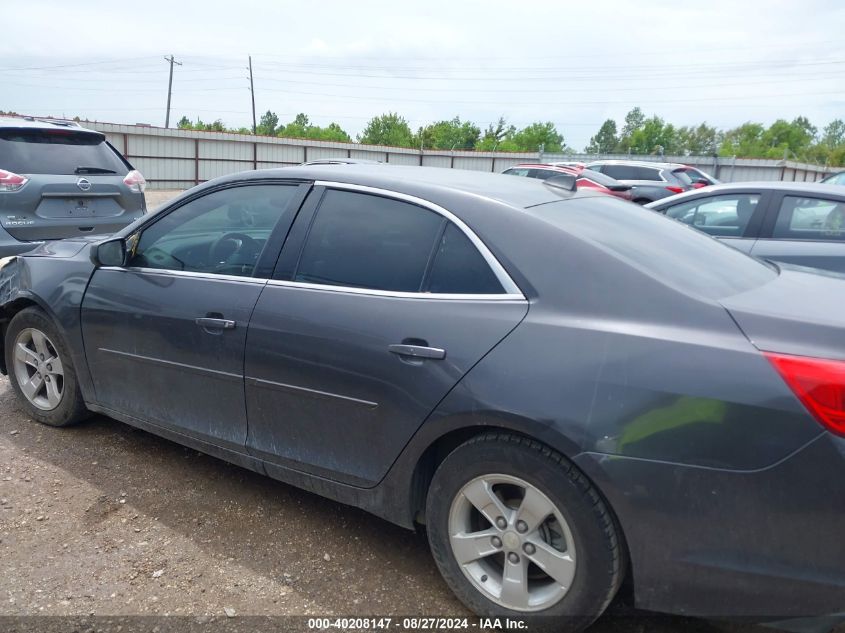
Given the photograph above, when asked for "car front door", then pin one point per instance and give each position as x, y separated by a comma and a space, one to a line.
381, 303
734, 217
165, 334
805, 229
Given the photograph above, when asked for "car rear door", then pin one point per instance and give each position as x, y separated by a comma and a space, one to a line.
379, 305
804, 228
164, 335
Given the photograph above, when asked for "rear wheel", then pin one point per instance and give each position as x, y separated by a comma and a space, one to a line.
518, 531
41, 371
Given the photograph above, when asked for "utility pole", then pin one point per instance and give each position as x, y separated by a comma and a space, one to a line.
252, 92
171, 61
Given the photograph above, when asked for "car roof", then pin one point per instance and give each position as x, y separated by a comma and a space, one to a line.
775, 185
33, 123
435, 184
564, 169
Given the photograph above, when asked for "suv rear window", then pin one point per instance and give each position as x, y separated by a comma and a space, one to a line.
631, 172
30, 151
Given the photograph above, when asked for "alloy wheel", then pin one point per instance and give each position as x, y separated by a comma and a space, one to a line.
512, 542
38, 369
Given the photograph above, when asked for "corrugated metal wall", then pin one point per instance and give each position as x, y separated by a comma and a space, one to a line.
178, 159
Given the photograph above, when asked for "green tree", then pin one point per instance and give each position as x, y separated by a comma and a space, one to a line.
387, 129
745, 141
531, 137
184, 124
833, 134
634, 121
698, 140
268, 124
454, 134
654, 136
497, 137
606, 139
301, 127
791, 138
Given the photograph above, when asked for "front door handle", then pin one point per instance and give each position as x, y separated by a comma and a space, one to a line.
418, 351
216, 324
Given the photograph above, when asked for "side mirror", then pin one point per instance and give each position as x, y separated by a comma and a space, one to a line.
109, 253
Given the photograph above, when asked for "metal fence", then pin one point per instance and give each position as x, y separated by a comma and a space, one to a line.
179, 159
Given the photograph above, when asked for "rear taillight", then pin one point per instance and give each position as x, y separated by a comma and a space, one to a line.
675, 189
10, 181
819, 385
135, 181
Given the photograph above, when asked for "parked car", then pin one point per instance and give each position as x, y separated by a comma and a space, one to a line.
60, 180
565, 389
791, 222
834, 179
584, 178
652, 181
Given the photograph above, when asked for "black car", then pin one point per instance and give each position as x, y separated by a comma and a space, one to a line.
510, 363
792, 222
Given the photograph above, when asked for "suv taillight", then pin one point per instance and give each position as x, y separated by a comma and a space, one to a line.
135, 181
819, 384
10, 181
675, 189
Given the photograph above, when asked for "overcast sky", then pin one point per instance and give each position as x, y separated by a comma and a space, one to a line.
573, 63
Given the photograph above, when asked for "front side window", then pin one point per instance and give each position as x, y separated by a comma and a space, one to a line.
723, 216
365, 241
222, 232
810, 219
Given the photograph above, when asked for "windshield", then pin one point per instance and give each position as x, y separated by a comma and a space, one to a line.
667, 250
26, 151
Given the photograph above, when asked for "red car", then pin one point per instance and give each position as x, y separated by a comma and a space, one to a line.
585, 178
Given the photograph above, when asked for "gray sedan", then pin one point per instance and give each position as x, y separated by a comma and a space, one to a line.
791, 222
507, 362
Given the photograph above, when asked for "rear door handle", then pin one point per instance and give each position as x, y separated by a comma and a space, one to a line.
418, 351
216, 324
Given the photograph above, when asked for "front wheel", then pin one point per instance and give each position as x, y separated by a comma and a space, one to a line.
517, 531
41, 371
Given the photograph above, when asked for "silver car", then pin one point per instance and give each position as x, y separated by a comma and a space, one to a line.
60, 180
792, 222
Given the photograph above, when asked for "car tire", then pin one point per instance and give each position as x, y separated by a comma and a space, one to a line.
57, 400
592, 537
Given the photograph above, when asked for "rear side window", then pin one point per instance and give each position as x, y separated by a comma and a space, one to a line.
59, 151
631, 172
459, 268
365, 241
722, 216
810, 219
517, 171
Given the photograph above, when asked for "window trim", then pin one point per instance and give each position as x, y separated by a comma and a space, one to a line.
511, 290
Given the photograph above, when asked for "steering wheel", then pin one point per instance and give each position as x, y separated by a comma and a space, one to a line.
227, 246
